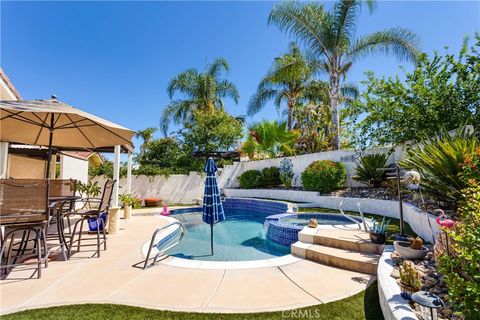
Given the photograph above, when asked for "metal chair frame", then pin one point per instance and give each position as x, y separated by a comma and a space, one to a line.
104, 206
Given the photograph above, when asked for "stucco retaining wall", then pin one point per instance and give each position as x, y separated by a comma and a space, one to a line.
394, 307
417, 218
176, 188
228, 179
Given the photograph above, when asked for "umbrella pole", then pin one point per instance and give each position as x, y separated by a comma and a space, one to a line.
50, 142
211, 236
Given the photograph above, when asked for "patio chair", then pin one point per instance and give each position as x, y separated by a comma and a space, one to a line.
64, 188
96, 218
24, 209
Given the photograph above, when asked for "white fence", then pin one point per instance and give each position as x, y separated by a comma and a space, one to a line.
188, 189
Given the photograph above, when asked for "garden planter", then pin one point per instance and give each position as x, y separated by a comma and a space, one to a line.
404, 250
153, 202
127, 212
378, 238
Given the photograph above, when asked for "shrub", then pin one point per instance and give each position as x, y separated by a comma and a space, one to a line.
250, 179
270, 177
324, 176
440, 161
286, 172
461, 268
368, 169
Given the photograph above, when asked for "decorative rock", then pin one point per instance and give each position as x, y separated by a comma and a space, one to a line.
396, 258
395, 274
430, 281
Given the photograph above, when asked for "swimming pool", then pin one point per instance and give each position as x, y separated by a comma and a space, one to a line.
239, 238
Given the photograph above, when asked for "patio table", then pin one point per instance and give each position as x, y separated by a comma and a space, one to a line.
60, 225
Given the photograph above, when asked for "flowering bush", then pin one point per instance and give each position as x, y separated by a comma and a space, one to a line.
461, 267
286, 172
324, 176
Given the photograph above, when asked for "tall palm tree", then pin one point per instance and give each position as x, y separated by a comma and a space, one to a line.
146, 135
200, 91
270, 139
286, 81
329, 36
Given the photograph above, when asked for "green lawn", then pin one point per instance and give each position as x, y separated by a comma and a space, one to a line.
362, 306
393, 227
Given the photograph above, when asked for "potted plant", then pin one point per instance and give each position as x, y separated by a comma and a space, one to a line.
128, 201
378, 232
409, 280
412, 249
152, 202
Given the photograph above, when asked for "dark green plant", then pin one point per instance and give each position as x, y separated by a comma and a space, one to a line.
324, 176
370, 169
270, 177
269, 139
250, 179
440, 91
210, 131
461, 267
440, 159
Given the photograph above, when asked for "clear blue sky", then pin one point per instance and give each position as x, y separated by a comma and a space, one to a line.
114, 59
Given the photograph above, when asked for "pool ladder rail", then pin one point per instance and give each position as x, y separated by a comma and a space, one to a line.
163, 244
340, 207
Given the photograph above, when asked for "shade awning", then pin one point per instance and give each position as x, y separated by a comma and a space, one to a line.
29, 122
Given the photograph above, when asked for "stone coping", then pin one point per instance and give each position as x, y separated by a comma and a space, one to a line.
394, 307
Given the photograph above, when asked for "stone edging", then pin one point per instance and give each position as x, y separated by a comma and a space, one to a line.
394, 307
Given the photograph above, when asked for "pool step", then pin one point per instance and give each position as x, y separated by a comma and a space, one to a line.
354, 240
340, 258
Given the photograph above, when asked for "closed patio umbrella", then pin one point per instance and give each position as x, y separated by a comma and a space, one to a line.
53, 123
212, 204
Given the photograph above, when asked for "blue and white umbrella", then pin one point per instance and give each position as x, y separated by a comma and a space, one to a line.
212, 204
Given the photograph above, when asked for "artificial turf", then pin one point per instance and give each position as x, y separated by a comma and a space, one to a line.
362, 306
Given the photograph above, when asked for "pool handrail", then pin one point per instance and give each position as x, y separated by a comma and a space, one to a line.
348, 217
363, 217
154, 243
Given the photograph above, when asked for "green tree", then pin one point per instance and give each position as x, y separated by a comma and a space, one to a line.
212, 131
200, 91
287, 80
163, 153
329, 36
270, 139
146, 135
443, 91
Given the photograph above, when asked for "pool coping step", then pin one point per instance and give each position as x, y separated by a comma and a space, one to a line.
355, 240
340, 258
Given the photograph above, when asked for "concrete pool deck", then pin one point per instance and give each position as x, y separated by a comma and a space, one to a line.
112, 279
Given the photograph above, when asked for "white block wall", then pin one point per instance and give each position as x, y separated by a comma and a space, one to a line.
229, 178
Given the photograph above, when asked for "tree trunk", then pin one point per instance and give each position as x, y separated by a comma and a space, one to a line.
290, 115
333, 92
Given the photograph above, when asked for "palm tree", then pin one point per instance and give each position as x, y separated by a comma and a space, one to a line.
202, 91
270, 139
286, 81
146, 135
329, 36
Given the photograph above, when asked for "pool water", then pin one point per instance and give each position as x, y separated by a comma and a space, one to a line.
238, 238
303, 221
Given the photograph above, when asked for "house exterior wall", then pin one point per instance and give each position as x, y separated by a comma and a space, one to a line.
73, 168
24, 167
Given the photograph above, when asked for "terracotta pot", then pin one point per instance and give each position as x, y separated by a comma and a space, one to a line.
378, 238
153, 202
404, 250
